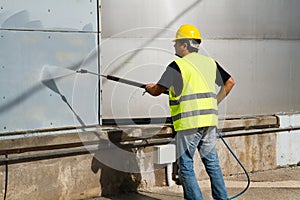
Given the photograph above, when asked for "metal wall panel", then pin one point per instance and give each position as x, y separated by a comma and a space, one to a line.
27, 103
133, 61
71, 15
53, 35
256, 41
253, 40
216, 18
266, 73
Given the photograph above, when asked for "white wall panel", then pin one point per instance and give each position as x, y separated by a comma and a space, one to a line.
27, 103
71, 15
266, 73
134, 61
35, 34
256, 41
215, 18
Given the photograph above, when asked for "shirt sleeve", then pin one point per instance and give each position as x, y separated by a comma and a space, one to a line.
222, 75
172, 77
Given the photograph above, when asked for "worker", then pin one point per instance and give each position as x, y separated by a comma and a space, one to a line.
191, 80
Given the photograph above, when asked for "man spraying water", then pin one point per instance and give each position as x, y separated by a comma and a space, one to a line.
193, 103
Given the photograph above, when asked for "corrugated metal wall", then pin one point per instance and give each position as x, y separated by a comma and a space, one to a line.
256, 41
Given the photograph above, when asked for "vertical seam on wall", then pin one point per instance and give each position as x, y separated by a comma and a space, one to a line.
99, 60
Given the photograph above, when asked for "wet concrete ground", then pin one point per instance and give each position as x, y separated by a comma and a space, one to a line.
283, 183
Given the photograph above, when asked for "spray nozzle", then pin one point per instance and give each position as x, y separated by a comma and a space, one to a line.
82, 71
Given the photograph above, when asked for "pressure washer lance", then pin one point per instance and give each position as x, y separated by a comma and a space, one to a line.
140, 85
117, 79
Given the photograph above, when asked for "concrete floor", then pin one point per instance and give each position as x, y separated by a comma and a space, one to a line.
283, 183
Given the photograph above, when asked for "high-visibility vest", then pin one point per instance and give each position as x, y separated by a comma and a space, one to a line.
196, 106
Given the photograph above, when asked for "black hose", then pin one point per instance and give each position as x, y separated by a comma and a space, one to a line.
242, 166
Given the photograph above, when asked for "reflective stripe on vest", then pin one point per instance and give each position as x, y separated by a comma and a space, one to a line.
196, 106
193, 96
194, 113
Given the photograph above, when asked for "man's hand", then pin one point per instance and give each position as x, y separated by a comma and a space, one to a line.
154, 89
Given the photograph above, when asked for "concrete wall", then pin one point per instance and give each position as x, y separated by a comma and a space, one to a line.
92, 173
262, 150
52, 179
60, 166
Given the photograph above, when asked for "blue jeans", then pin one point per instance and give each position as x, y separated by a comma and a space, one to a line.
203, 139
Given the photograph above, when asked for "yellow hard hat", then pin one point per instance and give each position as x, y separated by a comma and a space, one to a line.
187, 31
